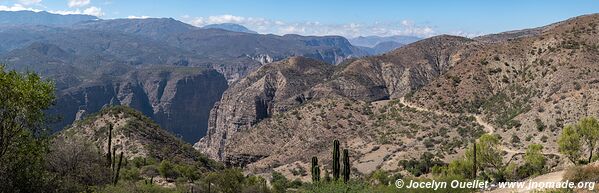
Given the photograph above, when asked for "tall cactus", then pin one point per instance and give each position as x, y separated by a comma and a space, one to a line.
315, 170
113, 162
116, 177
346, 166
108, 155
336, 164
474, 160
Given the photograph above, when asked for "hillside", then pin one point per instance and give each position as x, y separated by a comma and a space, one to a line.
531, 84
276, 87
135, 135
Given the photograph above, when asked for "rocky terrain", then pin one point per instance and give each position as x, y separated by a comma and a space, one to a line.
133, 134
532, 82
177, 98
276, 87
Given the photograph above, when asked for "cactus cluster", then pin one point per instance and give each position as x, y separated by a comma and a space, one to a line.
336, 165
111, 157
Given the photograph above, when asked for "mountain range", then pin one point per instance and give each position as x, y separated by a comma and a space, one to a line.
158, 65
269, 103
434, 95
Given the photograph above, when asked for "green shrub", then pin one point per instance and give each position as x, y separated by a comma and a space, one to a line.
421, 166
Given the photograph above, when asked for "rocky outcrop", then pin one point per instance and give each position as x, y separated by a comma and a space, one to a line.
179, 99
273, 88
135, 135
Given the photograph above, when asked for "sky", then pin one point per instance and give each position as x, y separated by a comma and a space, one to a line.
350, 18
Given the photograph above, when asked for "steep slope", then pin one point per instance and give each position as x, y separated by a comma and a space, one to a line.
135, 135
272, 88
532, 85
177, 98
378, 135
259, 95
396, 73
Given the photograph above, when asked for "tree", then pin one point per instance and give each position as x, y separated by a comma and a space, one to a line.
488, 154
226, 181
589, 131
23, 143
167, 170
188, 172
279, 182
534, 158
570, 143
78, 164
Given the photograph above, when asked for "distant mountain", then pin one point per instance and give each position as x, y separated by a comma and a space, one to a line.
382, 47
232, 53
155, 28
230, 27
371, 41
40, 18
169, 70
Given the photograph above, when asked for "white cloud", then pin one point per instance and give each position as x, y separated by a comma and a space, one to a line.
95, 11
30, 2
17, 7
138, 17
78, 3
262, 25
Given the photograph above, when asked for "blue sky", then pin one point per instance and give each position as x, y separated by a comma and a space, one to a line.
335, 17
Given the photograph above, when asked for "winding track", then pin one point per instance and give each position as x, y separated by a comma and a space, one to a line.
486, 125
549, 177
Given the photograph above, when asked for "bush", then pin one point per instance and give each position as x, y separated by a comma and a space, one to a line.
422, 166
588, 173
167, 170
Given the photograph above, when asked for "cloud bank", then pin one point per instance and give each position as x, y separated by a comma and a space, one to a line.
266, 26
26, 5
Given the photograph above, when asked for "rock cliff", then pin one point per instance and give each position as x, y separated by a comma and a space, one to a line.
179, 99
